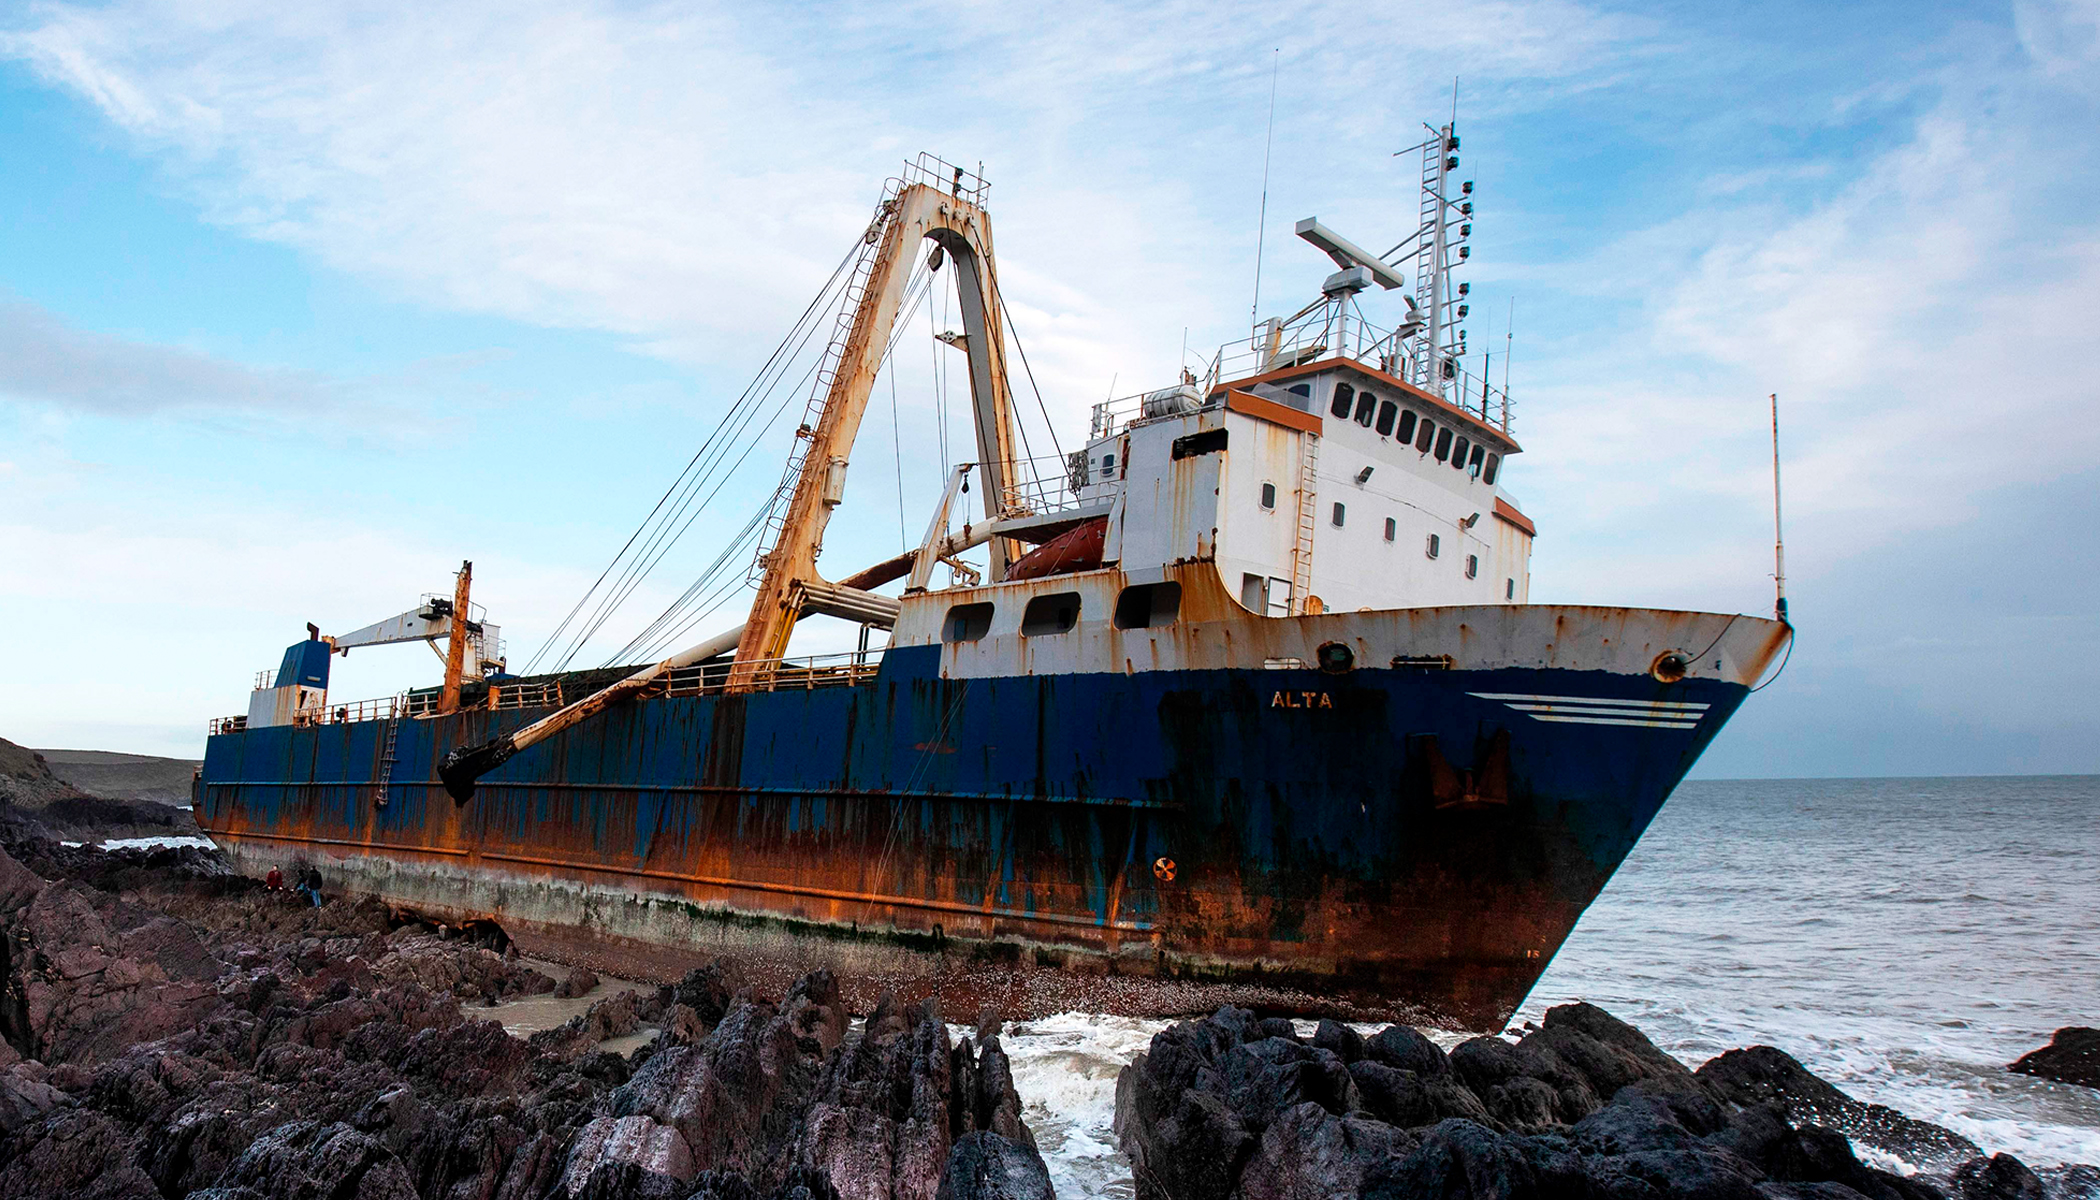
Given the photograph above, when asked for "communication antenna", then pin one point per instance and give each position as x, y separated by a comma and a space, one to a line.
1778, 536
1261, 228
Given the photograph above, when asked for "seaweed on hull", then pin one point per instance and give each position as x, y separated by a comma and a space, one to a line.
1584, 1107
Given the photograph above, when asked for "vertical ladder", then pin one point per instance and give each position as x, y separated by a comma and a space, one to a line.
386, 763
1301, 554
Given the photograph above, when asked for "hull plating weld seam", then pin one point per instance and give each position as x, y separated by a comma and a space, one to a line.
707, 880
717, 789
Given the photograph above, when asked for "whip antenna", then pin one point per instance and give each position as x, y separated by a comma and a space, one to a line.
1778, 535
1261, 227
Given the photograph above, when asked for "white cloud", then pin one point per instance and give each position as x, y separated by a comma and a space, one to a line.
42, 360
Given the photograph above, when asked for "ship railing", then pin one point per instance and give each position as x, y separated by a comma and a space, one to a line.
1041, 486
525, 695
778, 674
233, 724
265, 679
1333, 332
383, 709
944, 176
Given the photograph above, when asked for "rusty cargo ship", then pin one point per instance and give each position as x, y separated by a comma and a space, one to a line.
1246, 700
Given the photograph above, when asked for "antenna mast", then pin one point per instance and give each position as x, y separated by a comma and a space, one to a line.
1778, 536
1261, 225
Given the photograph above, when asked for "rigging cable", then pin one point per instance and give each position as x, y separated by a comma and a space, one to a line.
733, 422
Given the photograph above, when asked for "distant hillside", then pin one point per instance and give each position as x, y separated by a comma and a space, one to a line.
26, 778
36, 801
124, 776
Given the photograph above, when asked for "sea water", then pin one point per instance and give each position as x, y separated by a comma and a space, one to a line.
1904, 938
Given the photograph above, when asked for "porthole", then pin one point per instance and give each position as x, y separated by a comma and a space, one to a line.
1509, 589
1392, 529
1335, 658
1472, 566
1268, 495
1340, 511
1436, 546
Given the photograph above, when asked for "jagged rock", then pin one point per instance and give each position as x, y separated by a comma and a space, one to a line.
1405, 1048
2072, 1056
1999, 1177
614, 1016
986, 1166
633, 1156
25, 1095
76, 1154
307, 1160
1605, 1052
1339, 1040
1765, 1075
1309, 1153
576, 982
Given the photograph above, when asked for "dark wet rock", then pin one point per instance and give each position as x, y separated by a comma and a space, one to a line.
1394, 1096
613, 1016
25, 1095
2072, 1056
1309, 1153
1278, 1027
1999, 1177
1339, 1040
1765, 1075
307, 1160
1605, 1052
576, 982
1405, 1048
75, 1154
471, 974
985, 1166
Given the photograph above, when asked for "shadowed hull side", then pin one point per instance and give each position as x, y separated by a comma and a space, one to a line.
1380, 843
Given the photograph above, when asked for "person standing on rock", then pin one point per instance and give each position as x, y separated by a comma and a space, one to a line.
310, 884
274, 881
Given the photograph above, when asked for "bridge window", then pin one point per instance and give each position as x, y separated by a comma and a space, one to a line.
1406, 433
1301, 390
1366, 405
1426, 436
1344, 400
1473, 463
1435, 547
1472, 566
1108, 466
1387, 413
1443, 444
1268, 495
1509, 589
1149, 605
1458, 453
1392, 529
1340, 511
1055, 613
967, 623
1494, 464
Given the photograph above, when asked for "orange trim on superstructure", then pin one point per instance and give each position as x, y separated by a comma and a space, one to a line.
1506, 512
1251, 405
1448, 409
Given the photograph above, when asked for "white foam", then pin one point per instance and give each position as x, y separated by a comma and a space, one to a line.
153, 843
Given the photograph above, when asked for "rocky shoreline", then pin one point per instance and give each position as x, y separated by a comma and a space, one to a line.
1584, 1106
170, 1029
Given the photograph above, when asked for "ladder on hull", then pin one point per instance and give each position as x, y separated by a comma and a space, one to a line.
1302, 552
384, 784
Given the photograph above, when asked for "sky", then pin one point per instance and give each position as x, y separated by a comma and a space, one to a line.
303, 305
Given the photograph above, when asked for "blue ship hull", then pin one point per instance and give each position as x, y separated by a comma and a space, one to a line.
1385, 841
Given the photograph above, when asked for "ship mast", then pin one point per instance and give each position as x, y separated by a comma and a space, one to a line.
915, 210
